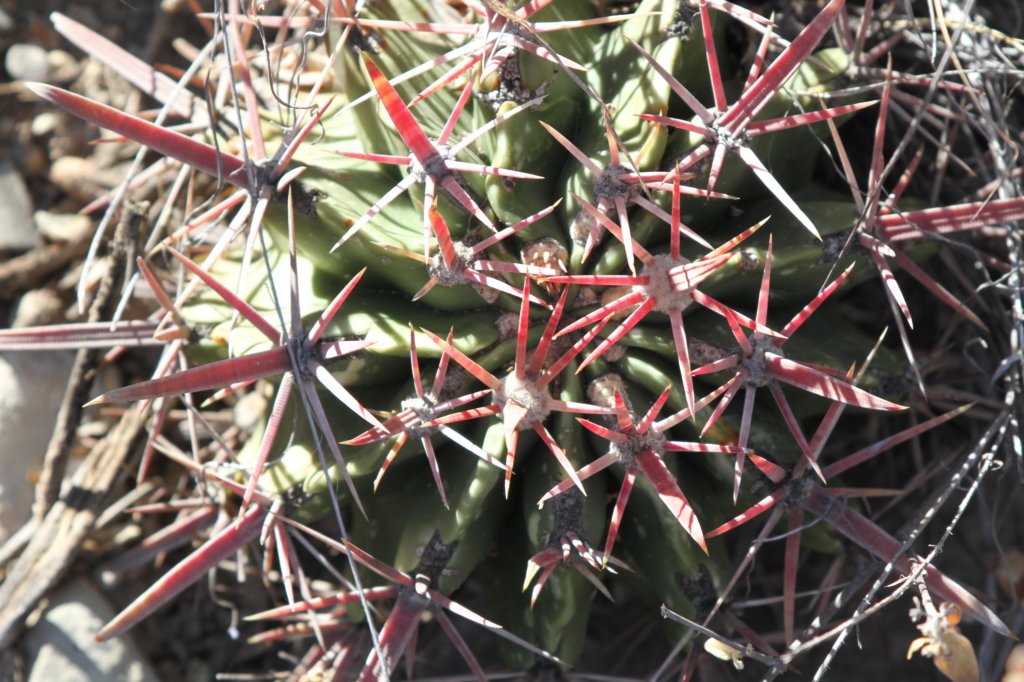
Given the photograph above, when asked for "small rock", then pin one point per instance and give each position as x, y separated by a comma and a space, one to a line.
6, 23
33, 386
44, 124
250, 409
17, 232
62, 67
62, 644
67, 171
62, 227
26, 62
79, 177
38, 306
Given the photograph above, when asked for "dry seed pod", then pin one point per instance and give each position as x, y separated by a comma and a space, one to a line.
953, 652
958, 663
724, 652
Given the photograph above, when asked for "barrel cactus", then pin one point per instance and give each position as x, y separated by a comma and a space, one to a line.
539, 304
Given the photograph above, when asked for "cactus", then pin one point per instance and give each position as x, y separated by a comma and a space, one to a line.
464, 256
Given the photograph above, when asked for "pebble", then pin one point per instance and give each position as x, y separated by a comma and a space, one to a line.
33, 386
61, 67
44, 124
79, 177
67, 171
26, 62
6, 23
250, 410
29, 62
17, 231
62, 227
37, 307
62, 645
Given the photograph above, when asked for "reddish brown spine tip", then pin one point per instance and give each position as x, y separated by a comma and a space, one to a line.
41, 90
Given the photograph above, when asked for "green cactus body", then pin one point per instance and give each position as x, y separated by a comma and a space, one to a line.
667, 566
